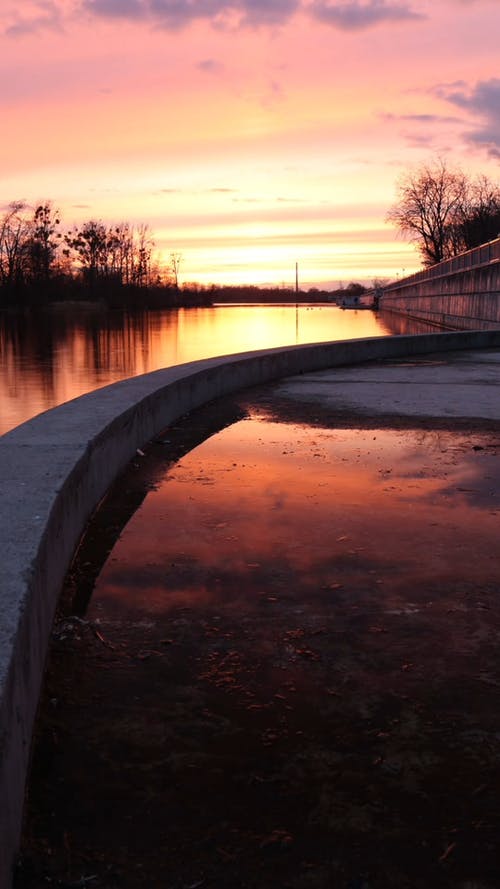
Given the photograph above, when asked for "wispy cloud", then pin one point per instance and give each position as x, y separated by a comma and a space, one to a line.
420, 119
268, 12
40, 16
357, 16
177, 14
483, 102
200, 191
127, 9
210, 66
353, 15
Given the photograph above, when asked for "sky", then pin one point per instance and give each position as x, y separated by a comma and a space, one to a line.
250, 135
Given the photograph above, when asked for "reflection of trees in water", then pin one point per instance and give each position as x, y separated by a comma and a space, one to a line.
26, 341
51, 355
117, 342
100, 339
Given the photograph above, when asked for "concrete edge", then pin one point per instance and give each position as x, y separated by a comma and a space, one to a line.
54, 470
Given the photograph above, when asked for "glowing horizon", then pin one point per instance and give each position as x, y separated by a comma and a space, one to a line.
254, 137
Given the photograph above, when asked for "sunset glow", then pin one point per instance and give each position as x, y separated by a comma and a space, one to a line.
248, 135
78, 359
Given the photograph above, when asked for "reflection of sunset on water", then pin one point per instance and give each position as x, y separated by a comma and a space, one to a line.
263, 500
51, 358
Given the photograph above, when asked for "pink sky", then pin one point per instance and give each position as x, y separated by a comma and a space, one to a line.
249, 134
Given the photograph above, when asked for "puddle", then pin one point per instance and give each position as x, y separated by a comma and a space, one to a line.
287, 674
262, 506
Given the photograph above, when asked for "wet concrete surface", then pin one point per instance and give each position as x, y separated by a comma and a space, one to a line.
285, 672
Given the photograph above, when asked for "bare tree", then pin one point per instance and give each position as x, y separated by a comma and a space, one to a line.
481, 222
143, 250
430, 201
117, 252
104, 258
175, 264
15, 228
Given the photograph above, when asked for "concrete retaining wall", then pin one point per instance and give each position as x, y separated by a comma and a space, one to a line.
480, 311
54, 470
462, 293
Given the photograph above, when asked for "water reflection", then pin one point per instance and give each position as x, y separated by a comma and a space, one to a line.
51, 356
293, 648
262, 506
400, 324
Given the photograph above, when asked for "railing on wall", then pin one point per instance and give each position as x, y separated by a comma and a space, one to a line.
460, 293
475, 258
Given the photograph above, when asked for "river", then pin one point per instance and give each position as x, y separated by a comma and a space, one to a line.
54, 354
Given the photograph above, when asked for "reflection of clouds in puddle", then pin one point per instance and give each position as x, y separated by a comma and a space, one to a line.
277, 517
464, 472
479, 484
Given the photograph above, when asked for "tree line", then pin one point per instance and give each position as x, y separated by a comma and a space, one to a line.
114, 264
445, 212
39, 261
442, 210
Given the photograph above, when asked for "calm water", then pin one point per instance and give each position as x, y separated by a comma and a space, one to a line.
50, 356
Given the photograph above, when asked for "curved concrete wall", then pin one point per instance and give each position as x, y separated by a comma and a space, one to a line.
54, 470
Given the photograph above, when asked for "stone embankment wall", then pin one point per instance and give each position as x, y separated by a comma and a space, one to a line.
54, 470
462, 293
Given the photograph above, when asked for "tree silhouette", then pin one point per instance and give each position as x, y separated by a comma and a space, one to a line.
444, 212
43, 243
175, 264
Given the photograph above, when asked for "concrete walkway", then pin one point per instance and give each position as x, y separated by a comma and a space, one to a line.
459, 385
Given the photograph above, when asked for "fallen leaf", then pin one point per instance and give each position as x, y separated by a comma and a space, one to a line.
449, 849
